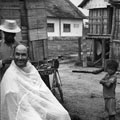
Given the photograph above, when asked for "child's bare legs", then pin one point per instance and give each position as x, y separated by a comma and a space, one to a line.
110, 107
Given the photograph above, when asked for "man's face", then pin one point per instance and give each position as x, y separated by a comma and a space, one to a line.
21, 57
9, 37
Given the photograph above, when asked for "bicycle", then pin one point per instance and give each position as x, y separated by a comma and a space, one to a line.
56, 80
57, 84
51, 67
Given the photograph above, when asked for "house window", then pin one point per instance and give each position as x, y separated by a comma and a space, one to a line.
50, 27
66, 27
76, 25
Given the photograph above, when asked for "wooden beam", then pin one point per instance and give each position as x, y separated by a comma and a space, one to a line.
112, 32
103, 52
79, 48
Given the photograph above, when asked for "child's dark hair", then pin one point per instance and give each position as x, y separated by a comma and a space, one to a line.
112, 64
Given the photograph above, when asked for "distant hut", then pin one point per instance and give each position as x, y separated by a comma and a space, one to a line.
104, 29
63, 19
31, 17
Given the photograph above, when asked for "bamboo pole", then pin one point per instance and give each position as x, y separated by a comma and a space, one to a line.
112, 32
103, 53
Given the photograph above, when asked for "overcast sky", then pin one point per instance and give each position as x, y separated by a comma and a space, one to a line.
76, 3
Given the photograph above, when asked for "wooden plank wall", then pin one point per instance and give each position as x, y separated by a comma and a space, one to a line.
36, 19
24, 23
116, 41
117, 24
37, 29
116, 51
99, 21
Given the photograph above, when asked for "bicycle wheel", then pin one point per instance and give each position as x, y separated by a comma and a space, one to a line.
61, 93
57, 85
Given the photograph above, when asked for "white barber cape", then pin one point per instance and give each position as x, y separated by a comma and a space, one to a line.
24, 96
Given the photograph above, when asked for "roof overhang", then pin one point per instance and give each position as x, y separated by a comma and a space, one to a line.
91, 4
83, 3
116, 2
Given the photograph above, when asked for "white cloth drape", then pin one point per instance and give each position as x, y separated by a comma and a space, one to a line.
24, 96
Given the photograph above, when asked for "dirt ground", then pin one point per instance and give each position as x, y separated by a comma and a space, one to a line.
83, 93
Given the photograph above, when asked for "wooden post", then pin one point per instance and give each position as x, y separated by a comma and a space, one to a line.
103, 52
93, 57
84, 50
112, 32
79, 48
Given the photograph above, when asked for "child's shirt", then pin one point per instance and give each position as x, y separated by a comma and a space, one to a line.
109, 91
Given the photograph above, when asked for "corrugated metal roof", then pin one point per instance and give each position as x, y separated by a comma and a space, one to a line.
63, 9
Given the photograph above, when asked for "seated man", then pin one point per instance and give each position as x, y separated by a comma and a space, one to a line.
24, 96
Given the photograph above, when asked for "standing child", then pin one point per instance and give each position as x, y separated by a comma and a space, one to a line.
109, 86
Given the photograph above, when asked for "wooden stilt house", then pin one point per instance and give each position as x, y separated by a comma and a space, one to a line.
31, 17
104, 29
115, 33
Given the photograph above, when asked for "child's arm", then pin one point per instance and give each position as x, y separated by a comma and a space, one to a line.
103, 80
109, 82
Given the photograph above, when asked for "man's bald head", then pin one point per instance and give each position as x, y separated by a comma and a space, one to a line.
21, 55
21, 47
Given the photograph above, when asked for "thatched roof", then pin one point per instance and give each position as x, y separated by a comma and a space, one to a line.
63, 9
